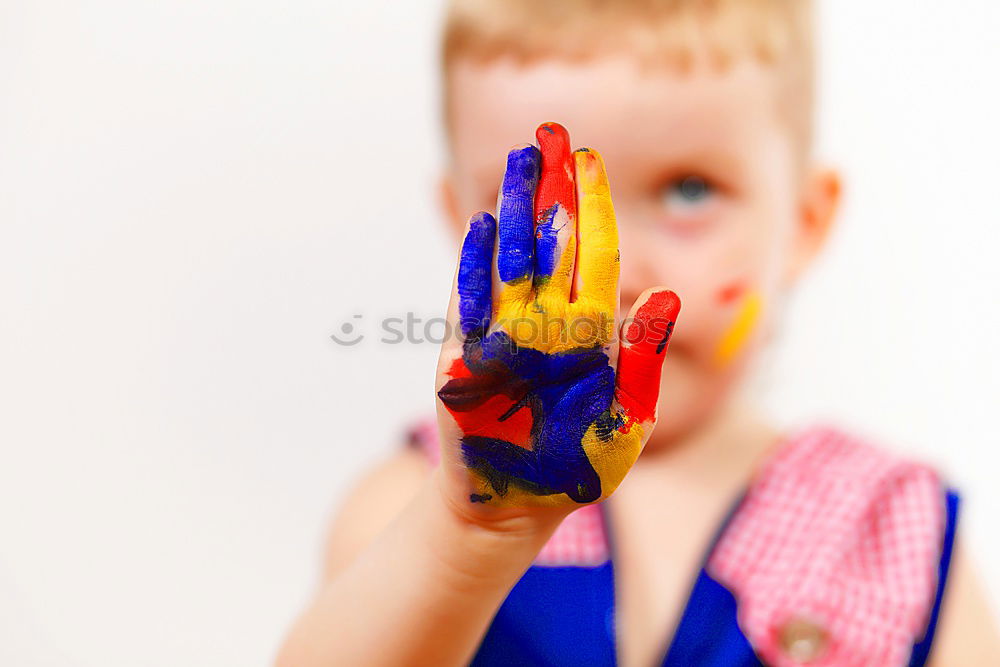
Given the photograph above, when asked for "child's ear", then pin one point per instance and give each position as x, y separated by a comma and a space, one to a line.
820, 199
449, 203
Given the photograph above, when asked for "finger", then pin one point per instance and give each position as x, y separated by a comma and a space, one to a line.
474, 283
645, 335
515, 223
597, 235
555, 214
469, 310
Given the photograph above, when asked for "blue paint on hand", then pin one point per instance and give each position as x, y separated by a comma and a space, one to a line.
566, 393
475, 280
516, 215
547, 244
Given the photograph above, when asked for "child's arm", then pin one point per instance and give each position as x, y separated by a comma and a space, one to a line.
542, 408
426, 588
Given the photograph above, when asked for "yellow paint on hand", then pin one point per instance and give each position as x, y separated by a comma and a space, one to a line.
544, 319
739, 332
613, 458
597, 259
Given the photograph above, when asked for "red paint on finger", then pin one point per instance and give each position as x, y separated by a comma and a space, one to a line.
642, 352
557, 184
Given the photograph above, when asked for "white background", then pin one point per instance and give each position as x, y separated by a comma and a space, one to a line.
195, 194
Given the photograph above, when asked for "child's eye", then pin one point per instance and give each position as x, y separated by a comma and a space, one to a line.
686, 195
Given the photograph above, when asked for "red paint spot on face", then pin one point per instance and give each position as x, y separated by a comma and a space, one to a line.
731, 292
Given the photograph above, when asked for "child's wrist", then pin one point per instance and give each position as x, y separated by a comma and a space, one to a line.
514, 523
482, 545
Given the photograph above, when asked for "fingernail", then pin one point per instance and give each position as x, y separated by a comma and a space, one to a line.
590, 168
522, 170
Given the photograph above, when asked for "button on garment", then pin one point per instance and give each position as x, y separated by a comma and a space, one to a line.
802, 640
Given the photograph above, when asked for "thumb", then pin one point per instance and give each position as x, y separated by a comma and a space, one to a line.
644, 337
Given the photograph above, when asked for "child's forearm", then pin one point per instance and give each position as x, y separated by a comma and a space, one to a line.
424, 592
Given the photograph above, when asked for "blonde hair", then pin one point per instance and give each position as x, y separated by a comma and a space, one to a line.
666, 33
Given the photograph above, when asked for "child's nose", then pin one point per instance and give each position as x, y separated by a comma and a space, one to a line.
638, 268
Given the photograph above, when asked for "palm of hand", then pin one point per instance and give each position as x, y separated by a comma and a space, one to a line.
541, 415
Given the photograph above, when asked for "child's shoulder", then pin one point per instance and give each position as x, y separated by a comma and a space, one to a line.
839, 459
844, 533
838, 494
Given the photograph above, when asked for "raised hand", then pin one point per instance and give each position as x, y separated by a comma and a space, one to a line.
541, 403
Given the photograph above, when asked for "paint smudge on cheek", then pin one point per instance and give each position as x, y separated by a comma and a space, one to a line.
741, 329
731, 292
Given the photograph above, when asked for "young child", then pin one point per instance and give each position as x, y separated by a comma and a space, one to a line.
729, 543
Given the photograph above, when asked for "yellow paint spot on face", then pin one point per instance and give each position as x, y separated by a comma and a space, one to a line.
739, 332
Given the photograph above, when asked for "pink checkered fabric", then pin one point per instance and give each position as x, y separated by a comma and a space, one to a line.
840, 535
578, 541
831, 532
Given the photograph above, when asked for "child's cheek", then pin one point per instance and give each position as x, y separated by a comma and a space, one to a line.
742, 304
721, 325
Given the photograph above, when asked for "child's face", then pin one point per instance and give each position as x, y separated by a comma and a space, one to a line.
711, 199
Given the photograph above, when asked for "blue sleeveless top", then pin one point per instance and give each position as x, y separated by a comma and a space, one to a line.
566, 616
